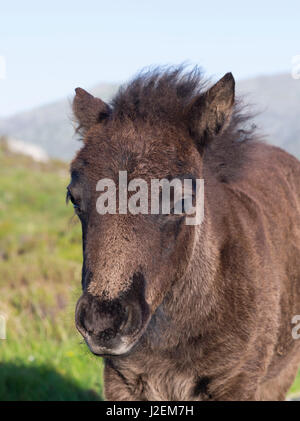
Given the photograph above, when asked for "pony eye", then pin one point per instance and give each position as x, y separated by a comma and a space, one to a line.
75, 203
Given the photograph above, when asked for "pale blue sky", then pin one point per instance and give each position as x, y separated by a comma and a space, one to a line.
51, 47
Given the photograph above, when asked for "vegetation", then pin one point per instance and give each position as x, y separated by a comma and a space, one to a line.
43, 357
40, 263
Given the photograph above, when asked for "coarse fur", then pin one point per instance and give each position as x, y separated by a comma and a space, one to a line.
214, 303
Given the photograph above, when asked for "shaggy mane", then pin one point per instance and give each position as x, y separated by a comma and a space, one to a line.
163, 94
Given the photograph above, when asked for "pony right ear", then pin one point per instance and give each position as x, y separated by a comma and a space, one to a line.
210, 113
88, 110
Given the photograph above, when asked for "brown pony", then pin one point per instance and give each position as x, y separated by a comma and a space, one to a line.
188, 312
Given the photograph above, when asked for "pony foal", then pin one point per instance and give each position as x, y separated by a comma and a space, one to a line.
178, 311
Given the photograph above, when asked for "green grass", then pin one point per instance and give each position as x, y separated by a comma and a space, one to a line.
40, 264
43, 357
295, 389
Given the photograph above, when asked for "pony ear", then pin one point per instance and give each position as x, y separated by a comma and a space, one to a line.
88, 110
210, 113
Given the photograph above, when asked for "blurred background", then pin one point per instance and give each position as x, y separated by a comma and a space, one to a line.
46, 50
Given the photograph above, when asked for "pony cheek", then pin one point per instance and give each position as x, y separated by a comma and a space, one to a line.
158, 287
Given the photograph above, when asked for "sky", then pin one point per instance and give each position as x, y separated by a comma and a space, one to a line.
49, 48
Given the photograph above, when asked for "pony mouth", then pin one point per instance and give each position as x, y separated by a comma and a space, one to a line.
121, 345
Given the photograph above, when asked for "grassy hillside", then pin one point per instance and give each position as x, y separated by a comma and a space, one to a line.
40, 262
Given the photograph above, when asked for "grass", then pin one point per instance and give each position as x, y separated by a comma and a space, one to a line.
295, 389
43, 357
40, 264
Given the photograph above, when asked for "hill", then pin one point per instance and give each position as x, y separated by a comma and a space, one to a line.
277, 100
50, 126
277, 97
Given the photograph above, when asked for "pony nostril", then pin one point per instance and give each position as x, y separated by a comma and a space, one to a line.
79, 319
102, 321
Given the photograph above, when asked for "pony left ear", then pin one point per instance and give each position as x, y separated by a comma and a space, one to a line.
88, 110
210, 113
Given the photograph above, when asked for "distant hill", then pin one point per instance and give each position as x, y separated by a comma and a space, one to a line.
277, 97
37, 153
50, 126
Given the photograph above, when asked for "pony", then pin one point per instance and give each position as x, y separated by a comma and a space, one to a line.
177, 311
